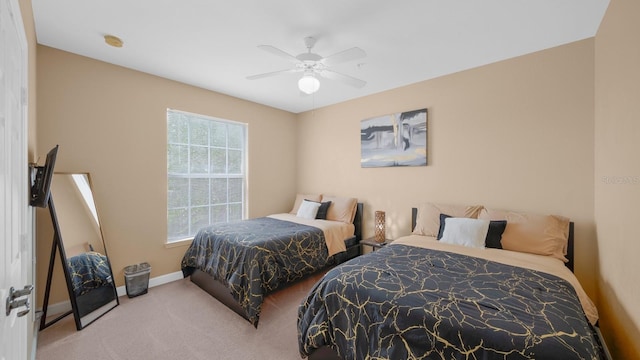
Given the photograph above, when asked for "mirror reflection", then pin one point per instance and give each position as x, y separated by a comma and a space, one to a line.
87, 269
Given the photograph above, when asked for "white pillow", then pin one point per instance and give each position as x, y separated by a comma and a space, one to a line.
308, 209
300, 197
465, 232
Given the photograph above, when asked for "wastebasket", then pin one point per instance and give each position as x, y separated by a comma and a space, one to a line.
136, 278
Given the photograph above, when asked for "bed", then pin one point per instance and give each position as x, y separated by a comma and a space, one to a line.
240, 262
424, 298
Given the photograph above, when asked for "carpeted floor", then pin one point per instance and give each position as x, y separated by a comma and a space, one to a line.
180, 321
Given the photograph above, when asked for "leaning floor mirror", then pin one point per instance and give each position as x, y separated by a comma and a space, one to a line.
79, 241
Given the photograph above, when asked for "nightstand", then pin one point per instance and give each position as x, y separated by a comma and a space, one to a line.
373, 243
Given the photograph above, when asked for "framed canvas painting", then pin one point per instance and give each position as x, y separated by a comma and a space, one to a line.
398, 139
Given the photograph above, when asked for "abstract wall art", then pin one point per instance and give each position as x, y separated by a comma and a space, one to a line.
398, 139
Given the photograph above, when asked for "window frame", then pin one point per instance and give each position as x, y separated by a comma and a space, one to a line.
230, 214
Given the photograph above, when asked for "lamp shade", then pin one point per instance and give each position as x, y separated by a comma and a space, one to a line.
308, 84
380, 232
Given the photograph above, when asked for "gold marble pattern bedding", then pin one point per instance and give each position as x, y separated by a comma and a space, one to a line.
406, 302
88, 271
255, 257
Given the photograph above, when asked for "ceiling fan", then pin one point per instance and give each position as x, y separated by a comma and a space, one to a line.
313, 66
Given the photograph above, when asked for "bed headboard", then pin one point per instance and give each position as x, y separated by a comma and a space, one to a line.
357, 221
569, 264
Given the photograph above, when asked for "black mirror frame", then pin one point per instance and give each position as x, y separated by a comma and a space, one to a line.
81, 320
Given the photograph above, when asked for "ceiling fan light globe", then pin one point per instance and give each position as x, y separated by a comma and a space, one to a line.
308, 84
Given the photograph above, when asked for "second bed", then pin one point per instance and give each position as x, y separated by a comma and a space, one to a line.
240, 262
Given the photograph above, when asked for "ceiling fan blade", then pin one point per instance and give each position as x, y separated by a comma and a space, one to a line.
260, 76
280, 53
344, 56
349, 80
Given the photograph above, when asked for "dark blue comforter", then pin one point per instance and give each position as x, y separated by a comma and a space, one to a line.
404, 302
256, 256
88, 271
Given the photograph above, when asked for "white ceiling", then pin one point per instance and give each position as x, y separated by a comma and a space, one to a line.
213, 44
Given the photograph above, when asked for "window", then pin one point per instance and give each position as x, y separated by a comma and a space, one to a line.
206, 172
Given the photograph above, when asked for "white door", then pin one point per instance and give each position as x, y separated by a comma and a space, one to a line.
16, 234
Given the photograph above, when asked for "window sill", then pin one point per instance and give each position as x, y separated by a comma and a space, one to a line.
178, 243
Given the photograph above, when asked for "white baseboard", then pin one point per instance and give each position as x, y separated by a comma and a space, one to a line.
64, 306
58, 308
156, 281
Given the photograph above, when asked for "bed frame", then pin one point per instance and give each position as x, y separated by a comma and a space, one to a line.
219, 291
327, 353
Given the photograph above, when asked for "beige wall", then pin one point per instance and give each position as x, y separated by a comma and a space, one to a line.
517, 134
111, 122
617, 175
